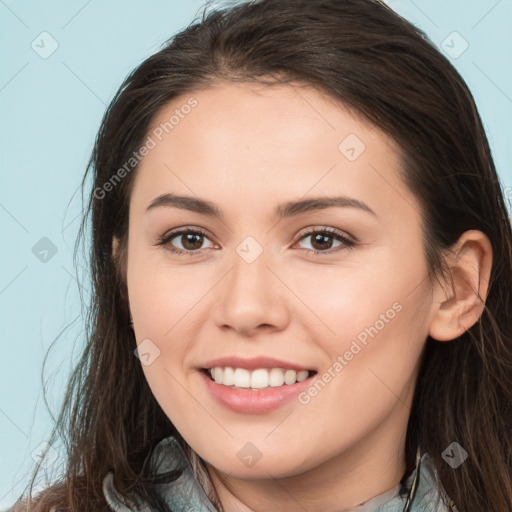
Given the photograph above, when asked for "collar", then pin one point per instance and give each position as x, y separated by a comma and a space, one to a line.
186, 494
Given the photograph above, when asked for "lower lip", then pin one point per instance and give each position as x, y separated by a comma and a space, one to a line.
259, 401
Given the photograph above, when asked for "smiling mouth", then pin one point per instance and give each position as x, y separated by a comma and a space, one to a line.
261, 378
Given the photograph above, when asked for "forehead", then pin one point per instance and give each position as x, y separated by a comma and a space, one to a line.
245, 143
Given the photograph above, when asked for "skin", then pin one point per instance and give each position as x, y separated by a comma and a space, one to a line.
248, 148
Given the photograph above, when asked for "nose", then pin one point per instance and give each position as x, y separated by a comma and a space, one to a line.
251, 298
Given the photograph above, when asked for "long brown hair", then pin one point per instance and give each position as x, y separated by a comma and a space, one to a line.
363, 54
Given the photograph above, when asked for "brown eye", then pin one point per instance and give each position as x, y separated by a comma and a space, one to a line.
322, 241
190, 240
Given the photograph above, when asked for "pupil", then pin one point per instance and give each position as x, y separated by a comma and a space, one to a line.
321, 236
189, 239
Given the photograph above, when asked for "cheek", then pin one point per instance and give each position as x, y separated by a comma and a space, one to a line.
164, 304
161, 294
162, 307
341, 300
374, 319
381, 329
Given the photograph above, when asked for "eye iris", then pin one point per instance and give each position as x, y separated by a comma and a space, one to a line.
322, 237
189, 240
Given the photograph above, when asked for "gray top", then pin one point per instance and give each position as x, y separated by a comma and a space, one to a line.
186, 494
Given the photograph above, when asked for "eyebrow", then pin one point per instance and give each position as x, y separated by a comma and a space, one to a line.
283, 210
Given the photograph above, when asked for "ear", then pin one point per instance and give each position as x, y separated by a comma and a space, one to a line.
459, 304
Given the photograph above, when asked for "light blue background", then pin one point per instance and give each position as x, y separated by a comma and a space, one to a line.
50, 111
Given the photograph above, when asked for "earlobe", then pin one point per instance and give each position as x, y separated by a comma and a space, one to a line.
459, 303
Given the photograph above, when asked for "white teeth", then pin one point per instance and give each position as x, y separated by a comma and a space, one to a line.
242, 378
276, 377
217, 375
257, 379
228, 376
302, 375
290, 377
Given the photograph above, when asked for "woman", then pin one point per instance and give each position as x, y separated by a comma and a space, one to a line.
231, 367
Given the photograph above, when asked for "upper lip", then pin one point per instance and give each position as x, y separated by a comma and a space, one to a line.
252, 363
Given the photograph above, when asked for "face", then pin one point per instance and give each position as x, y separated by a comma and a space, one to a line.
350, 318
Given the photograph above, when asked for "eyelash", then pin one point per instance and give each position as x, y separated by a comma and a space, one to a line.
349, 244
